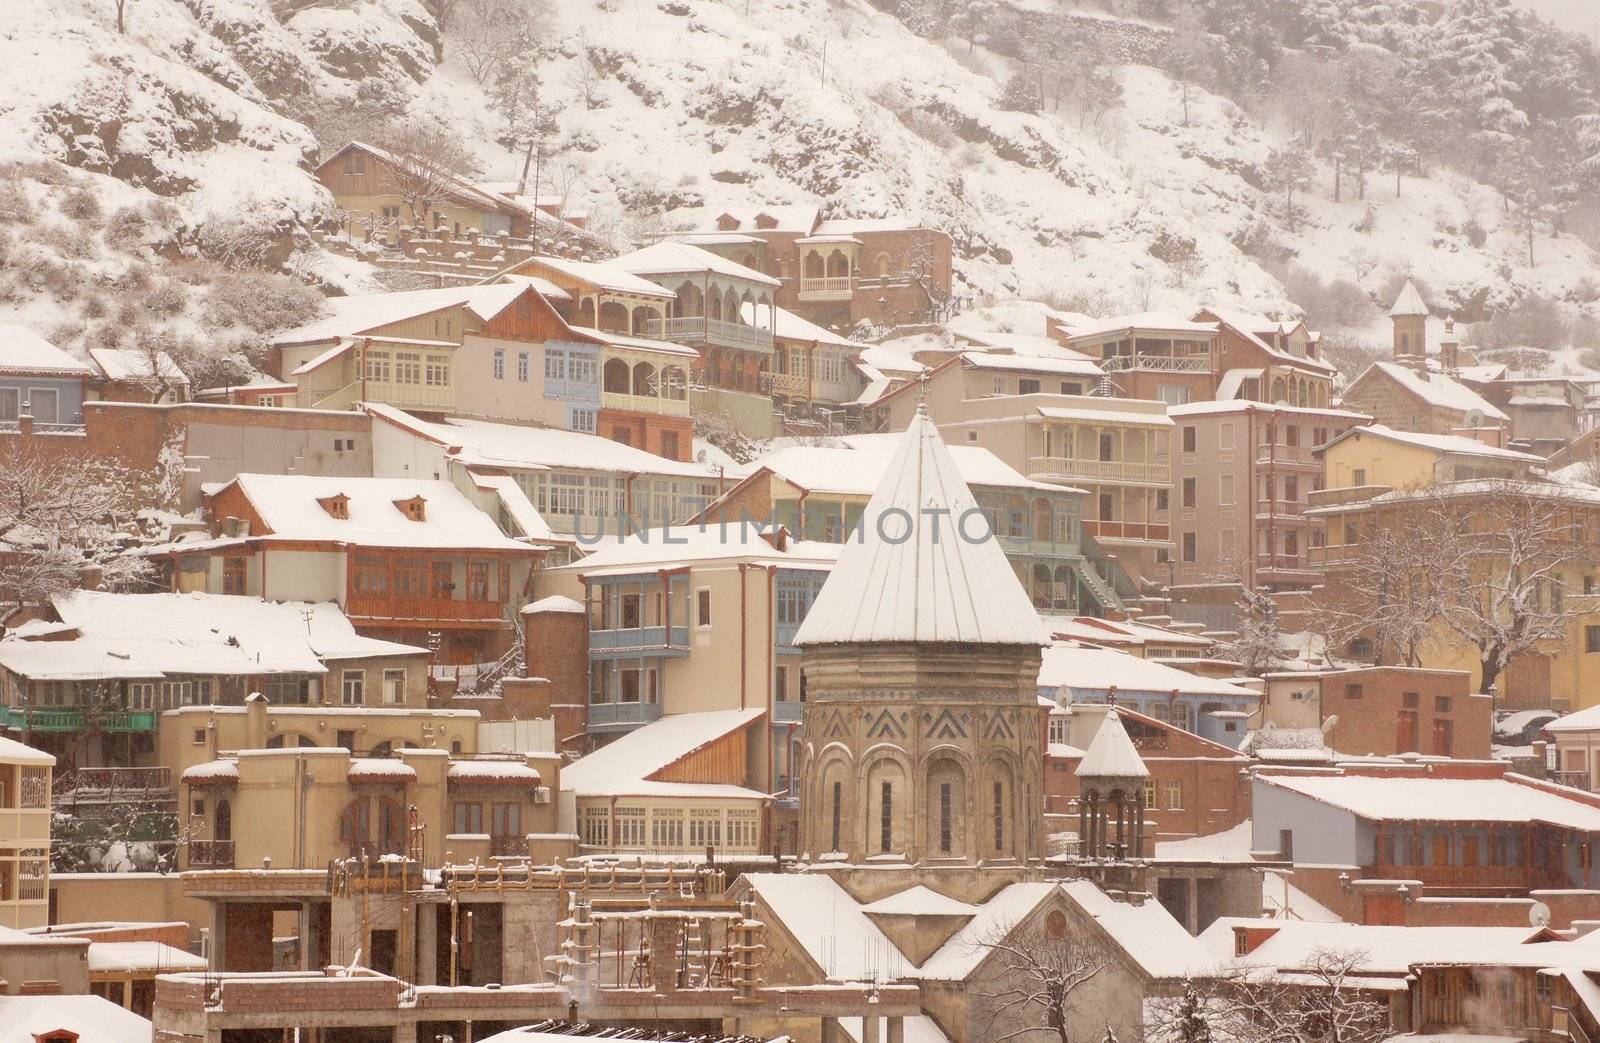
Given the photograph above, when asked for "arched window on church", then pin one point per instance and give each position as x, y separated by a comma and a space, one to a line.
886, 819
838, 812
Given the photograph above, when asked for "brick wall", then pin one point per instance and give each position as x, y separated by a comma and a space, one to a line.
1370, 703
558, 652
647, 431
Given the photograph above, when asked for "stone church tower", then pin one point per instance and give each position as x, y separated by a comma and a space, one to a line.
1410, 318
923, 730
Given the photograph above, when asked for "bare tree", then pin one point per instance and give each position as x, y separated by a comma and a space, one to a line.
1382, 590
1258, 643
1038, 982
122, 11
60, 515
424, 166
586, 80
493, 34
1504, 591
1323, 1004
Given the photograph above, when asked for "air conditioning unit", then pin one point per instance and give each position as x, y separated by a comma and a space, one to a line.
541, 795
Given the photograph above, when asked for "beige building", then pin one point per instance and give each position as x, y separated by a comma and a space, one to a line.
92, 687
24, 835
1118, 450
698, 618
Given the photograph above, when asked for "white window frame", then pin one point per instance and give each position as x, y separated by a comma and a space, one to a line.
394, 686
352, 688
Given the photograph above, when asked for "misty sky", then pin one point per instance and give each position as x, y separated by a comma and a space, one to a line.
1572, 14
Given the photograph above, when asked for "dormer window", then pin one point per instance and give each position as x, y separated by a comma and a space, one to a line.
766, 221
415, 508
337, 506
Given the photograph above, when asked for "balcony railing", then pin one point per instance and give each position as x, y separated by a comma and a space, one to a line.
626, 641
73, 720
1125, 530
1280, 509
787, 711
618, 717
1163, 363
1283, 562
1575, 779
645, 403
109, 785
833, 288
421, 609
736, 380
508, 844
1286, 454
1344, 494
1159, 472
210, 854
698, 329
11, 427
410, 394
789, 384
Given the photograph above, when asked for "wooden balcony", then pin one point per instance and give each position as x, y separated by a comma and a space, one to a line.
645, 403
1158, 472
1283, 563
74, 720
627, 642
1124, 530
833, 288
432, 611
75, 786
1158, 363
698, 329
622, 716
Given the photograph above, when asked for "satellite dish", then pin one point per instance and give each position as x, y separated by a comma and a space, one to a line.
1328, 725
1474, 418
1539, 915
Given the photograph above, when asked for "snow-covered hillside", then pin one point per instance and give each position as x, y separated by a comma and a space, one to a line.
672, 109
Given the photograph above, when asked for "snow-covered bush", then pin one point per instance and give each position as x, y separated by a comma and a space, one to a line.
144, 225
81, 205
260, 301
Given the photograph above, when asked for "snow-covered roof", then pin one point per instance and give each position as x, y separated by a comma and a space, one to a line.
143, 957
787, 217
155, 635
521, 512
1095, 630
1100, 669
917, 1029
555, 603
920, 900
891, 360
380, 769
136, 365
857, 465
604, 275
517, 447
289, 506
624, 766
494, 773
959, 956
1429, 799
14, 752
1160, 945
361, 313
1230, 845
223, 772
672, 258
24, 351
1111, 754
830, 926
1030, 363
1389, 950
651, 549
1142, 322
1250, 327
789, 326
1454, 445
935, 582
858, 225
1104, 415
94, 1019
1436, 389
462, 189
1408, 302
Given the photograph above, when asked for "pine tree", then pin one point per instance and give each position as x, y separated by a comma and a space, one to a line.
1190, 1024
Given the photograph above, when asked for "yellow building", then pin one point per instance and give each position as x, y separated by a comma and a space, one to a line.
1375, 475
24, 835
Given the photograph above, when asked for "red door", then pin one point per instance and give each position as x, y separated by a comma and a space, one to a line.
1405, 740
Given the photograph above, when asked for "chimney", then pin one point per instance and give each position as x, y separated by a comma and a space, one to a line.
1450, 348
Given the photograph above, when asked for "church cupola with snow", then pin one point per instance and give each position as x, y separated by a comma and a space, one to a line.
922, 725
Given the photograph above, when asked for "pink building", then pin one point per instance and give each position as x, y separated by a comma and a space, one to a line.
1241, 473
